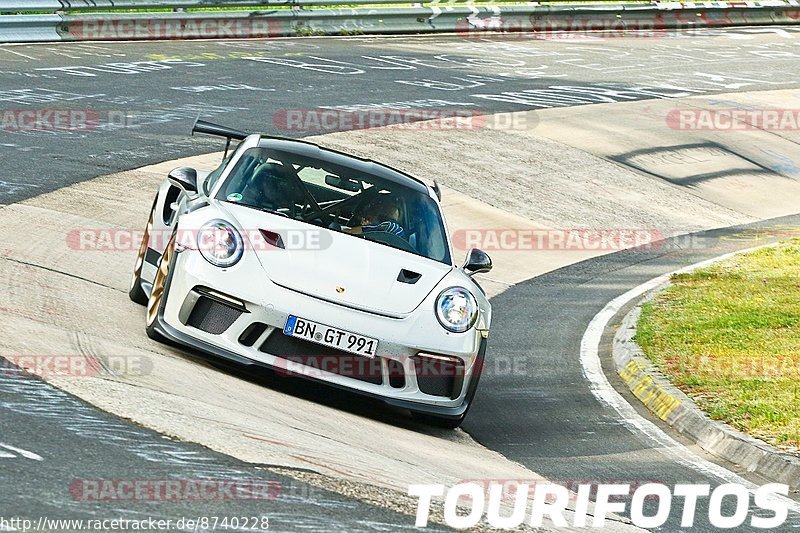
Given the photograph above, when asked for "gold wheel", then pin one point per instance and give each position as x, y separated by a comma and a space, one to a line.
157, 293
137, 269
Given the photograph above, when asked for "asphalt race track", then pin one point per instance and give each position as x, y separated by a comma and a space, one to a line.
145, 96
73, 437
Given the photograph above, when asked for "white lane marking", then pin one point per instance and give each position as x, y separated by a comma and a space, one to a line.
24, 453
775, 31
607, 395
18, 54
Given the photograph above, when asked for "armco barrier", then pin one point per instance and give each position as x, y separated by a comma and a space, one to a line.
23, 6
29, 28
78, 20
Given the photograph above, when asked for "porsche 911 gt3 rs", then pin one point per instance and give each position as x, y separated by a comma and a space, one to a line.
318, 264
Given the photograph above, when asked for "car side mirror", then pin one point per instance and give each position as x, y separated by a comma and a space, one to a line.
477, 262
184, 178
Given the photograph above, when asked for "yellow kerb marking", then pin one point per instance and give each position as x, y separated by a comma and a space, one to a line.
648, 391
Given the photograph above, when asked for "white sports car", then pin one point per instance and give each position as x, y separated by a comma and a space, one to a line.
318, 264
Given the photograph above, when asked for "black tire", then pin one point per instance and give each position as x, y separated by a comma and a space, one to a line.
136, 293
155, 335
158, 294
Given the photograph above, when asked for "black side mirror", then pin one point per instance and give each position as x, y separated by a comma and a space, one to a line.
477, 262
185, 178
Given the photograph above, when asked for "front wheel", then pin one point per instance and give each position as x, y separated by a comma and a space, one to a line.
158, 294
135, 292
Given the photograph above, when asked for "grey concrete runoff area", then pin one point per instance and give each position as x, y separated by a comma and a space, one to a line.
590, 132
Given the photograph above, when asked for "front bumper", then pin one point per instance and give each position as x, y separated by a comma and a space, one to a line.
250, 333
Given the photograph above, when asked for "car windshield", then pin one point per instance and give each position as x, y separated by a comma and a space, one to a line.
339, 198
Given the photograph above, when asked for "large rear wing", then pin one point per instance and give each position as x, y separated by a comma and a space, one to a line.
209, 128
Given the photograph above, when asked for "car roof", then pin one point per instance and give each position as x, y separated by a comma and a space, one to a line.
367, 166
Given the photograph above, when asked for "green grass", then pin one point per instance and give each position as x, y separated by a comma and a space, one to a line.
729, 336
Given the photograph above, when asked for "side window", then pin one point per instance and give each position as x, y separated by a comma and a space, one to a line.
213, 176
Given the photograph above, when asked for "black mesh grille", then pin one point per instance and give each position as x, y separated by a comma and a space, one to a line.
211, 316
438, 377
324, 358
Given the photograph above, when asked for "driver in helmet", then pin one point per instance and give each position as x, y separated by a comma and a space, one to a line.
381, 216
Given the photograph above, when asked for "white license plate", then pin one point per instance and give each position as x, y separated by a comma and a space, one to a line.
330, 336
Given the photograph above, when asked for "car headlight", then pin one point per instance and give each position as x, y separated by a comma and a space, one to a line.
220, 243
456, 309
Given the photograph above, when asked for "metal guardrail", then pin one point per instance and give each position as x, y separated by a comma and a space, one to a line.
24, 6
29, 28
79, 20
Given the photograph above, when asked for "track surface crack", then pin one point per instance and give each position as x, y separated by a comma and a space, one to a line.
56, 271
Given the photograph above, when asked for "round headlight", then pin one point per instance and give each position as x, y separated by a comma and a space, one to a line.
220, 243
456, 309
